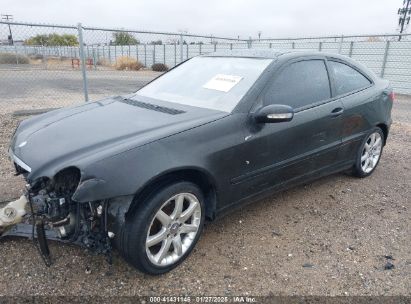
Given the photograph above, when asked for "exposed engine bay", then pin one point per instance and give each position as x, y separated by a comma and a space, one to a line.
47, 212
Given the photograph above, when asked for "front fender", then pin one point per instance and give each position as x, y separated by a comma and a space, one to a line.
121, 174
89, 190
129, 172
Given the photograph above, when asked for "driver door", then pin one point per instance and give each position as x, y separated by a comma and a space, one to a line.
279, 153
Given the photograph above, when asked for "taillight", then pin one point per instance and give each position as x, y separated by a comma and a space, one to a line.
391, 96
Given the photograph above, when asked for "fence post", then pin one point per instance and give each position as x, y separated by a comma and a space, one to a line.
320, 46
94, 59
340, 45
43, 52
293, 45
384, 62
17, 56
175, 54
249, 43
145, 54
181, 48
154, 53
137, 52
351, 48
83, 62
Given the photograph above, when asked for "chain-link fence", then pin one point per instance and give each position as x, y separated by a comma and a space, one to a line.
48, 66
388, 56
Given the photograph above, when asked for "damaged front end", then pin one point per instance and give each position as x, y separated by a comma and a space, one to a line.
47, 211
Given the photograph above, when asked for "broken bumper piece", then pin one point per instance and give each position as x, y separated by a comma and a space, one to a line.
13, 213
57, 219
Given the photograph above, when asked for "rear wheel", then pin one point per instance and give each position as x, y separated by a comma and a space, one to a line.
369, 153
164, 229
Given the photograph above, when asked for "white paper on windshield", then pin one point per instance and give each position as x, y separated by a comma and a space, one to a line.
223, 83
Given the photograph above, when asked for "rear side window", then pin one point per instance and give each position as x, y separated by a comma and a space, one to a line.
299, 84
347, 79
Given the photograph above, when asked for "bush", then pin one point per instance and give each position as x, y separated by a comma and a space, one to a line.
127, 63
52, 39
10, 58
159, 67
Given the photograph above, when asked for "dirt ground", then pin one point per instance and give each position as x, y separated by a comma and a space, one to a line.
334, 236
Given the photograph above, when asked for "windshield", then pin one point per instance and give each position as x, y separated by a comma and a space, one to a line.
216, 83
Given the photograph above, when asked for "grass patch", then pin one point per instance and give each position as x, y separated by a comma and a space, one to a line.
103, 62
127, 63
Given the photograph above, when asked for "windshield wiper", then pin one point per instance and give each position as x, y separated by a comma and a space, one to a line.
150, 106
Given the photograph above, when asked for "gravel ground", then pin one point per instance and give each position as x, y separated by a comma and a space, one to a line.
330, 237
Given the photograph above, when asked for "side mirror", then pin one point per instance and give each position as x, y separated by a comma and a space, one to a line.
274, 113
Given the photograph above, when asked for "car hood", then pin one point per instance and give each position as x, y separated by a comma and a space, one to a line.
100, 129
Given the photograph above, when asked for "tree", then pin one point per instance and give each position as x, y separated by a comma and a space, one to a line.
122, 38
52, 40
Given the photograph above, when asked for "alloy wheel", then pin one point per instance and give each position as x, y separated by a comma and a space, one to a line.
371, 152
173, 229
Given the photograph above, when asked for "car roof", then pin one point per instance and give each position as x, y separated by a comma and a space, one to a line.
270, 53
287, 54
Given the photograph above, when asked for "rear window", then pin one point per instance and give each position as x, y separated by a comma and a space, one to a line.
347, 79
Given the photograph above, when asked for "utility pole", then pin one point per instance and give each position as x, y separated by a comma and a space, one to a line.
404, 14
8, 17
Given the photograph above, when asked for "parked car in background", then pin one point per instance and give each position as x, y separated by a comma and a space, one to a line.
144, 171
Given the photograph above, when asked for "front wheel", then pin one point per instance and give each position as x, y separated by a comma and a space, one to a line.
369, 153
164, 229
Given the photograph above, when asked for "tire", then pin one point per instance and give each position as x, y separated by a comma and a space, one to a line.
159, 224
375, 141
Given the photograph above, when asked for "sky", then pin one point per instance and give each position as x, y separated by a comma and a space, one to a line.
232, 18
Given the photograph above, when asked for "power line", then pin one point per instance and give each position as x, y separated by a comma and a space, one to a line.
8, 17
404, 12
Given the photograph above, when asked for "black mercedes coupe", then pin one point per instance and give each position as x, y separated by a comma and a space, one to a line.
142, 172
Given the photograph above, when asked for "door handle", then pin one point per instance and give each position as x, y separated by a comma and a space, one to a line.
337, 112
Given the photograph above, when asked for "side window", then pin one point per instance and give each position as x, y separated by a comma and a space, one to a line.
347, 79
300, 84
